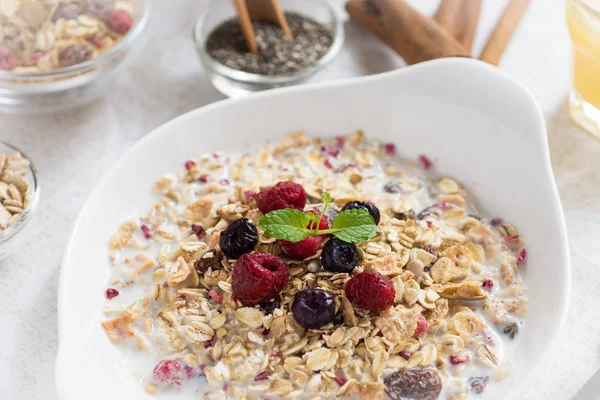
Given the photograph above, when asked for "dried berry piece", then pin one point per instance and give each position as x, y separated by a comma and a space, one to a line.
239, 238
66, 11
262, 376
268, 307
457, 359
488, 285
210, 259
413, 384
511, 330
167, 371
8, 60
75, 54
119, 21
478, 383
111, 293
99, 8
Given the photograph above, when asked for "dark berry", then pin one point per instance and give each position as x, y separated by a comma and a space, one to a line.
339, 256
282, 195
210, 259
258, 277
413, 384
75, 54
313, 308
239, 238
373, 210
268, 307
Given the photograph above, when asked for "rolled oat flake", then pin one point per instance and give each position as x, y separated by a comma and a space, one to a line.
276, 54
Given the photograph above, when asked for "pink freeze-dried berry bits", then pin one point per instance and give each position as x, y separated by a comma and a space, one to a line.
111, 293
167, 371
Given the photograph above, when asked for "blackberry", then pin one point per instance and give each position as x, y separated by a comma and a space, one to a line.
239, 238
374, 211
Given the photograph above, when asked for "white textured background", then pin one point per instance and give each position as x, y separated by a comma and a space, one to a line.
72, 149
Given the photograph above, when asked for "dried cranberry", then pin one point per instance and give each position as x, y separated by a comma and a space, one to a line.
456, 359
262, 376
189, 164
202, 368
249, 195
413, 384
119, 21
328, 164
496, 222
405, 354
510, 239
215, 296
66, 11
146, 231
75, 54
340, 381
190, 372
111, 293
488, 284
203, 178
224, 182
8, 59
422, 326
199, 231
99, 43
426, 164
167, 371
207, 344
389, 149
266, 332
36, 56
522, 256
444, 205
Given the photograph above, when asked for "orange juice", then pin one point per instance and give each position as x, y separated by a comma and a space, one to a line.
583, 19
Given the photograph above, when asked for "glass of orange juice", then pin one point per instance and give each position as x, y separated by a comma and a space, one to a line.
583, 19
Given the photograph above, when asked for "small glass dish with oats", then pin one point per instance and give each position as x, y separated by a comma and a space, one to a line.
60, 54
19, 194
318, 36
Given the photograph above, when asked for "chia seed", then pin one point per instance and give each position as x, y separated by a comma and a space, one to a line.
276, 54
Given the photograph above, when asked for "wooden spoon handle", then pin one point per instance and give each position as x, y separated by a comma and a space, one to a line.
270, 10
246, 24
506, 26
412, 35
460, 18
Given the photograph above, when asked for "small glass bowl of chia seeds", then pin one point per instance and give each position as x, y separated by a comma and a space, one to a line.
235, 71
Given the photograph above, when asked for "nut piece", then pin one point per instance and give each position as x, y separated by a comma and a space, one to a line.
414, 384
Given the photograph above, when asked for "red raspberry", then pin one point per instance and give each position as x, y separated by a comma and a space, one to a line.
282, 195
167, 371
258, 277
8, 60
370, 291
307, 247
119, 21
422, 326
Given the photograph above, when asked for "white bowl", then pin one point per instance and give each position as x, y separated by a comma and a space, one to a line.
475, 122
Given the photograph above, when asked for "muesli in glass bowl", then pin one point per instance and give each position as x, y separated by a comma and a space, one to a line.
315, 268
59, 53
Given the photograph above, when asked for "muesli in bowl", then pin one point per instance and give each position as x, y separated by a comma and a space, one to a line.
316, 268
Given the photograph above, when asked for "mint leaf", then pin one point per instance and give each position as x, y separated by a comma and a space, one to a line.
286, 224
353, 226
326, 197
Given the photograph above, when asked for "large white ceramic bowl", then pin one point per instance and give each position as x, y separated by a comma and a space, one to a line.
475, 122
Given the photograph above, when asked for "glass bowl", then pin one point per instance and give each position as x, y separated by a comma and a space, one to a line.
70, 86
235, 83
12, 236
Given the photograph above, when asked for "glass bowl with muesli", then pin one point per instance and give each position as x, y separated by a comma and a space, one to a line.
56, 54
335, 269
19, 194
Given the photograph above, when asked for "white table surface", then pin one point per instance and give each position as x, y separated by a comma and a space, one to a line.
72, 149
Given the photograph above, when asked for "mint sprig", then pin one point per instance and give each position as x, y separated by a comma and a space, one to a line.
353, 226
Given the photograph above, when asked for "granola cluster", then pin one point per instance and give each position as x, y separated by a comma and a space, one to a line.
15, 190
458, 299
44, 35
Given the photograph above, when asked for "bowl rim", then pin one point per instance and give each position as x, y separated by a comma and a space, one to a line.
249, 77
539, 136
26, 215
128, 39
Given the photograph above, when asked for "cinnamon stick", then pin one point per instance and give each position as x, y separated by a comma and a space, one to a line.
415, 37
459, 18
506, 26
246, 24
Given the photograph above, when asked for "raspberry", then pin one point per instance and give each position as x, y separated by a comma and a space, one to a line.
339, 380
422, 326
389, 149
167, 371
146, 231
8, 59
258, 277
282, 195
307, 247
119, 21
262, 376
189, 164
199, 231
370, 291
522, 256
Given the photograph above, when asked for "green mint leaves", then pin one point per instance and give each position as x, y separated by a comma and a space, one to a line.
353, 226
